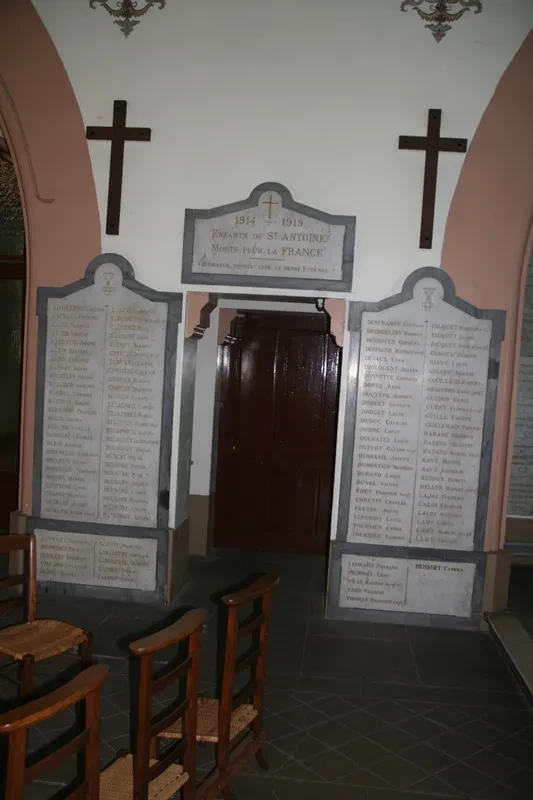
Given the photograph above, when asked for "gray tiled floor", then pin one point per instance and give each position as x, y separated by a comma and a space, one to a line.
354, 711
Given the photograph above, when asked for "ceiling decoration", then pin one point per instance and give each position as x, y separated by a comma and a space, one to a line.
127, 12
440, 14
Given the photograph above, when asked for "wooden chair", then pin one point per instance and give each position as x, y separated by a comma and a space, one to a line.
235, 723
35, 639
140, 776
84, 688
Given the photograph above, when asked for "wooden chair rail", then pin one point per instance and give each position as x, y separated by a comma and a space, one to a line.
166, 719
51, 761
9, 605
171, 635
45, 707
15, 541
13, 580
264, 584
168, 678
244, 695
247, 661
249, 626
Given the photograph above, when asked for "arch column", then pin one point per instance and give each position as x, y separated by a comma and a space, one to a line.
487, 242
42, 122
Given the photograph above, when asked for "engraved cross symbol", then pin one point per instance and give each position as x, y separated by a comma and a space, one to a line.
270, 203
428, 303
108, 277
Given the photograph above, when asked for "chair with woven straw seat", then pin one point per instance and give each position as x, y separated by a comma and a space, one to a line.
235, 722
84, 742
140, 776
34, 639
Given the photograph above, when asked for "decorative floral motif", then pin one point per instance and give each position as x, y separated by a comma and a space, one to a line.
440, 13
127, 11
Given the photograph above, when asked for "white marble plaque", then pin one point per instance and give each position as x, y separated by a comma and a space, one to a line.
94, 560
520, 502
419, 423
269, 241
104, 372
408, 585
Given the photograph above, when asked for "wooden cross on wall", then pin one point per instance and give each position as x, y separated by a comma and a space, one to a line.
433, 144
118, 134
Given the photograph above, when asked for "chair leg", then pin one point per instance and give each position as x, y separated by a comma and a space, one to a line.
261, 759
26, 675
85, 650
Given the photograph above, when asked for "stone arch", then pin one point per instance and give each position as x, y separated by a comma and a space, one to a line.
487, 242
42, 122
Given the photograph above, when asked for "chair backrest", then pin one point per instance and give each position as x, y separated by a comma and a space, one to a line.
187, 631
84, 688
256, 625
26, 599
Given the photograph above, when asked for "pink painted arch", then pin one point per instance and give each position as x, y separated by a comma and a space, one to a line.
487, 243
41, 120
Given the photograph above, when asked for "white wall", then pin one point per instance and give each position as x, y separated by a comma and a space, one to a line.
309, 93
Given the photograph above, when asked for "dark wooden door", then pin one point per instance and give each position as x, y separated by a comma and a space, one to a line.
277, 426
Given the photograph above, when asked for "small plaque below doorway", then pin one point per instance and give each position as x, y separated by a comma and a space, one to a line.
118, 562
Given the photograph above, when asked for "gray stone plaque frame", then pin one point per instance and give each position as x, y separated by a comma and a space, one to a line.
108, 592
207, 278
174, 303
334, 611
354, 326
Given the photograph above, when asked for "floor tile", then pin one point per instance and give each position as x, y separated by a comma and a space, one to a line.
301, 746
481, 733
464, 779
427, 757
455, 745
361, 721
398, 772
330, 765
354, 711
497, 767
521, 782
333, 733
449, 716
363, 752
421, 728
335, 657
515, 748
395, 794
393, 738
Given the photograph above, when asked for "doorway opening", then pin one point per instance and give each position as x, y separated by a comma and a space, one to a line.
268, 466
12, 298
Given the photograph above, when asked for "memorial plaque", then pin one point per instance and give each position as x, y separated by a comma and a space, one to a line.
408, 585
94, 560
104, 399
520, 502
269, 240
420, 412
420, 406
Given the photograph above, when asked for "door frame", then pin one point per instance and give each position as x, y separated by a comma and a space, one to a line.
199, 307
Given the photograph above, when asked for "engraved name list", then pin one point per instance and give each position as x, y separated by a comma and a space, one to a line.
419, 423
105, 352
